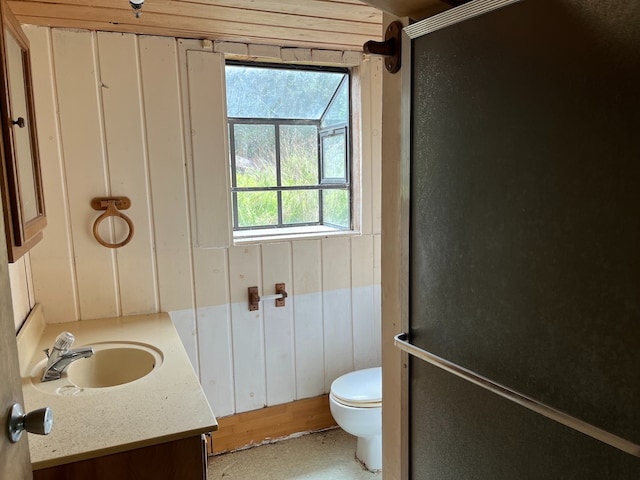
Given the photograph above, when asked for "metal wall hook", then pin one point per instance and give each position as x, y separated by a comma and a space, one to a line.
390, 48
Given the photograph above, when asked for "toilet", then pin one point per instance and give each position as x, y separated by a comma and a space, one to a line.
356, 405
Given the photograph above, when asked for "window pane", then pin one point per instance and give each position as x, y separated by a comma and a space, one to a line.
263, 92
300, 206
257, 208
334, 156
338, 112
336, 208
255, 149
299, 155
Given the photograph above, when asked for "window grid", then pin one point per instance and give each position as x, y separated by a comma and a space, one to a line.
279, 188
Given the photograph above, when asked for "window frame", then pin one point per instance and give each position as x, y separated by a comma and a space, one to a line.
323, 184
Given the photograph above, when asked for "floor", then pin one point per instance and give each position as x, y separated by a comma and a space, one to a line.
328, 455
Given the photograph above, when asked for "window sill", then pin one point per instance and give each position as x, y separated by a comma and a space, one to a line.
287, 234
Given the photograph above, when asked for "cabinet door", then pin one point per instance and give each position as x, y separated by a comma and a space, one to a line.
173, 460
22, 186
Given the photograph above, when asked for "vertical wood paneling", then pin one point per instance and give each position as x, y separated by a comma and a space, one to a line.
211, 276
214, 328
158, 61
52, 262
367, 146
308, 317
366, 334
186, 326
377, 259
375, 141
216, 358
377, 295
363, 104
336, 305
83, 146
19, 295
127, 90
365, 339
361, 261
171, 227
247, 329
29, 274
126, 152
278, 325
208, 129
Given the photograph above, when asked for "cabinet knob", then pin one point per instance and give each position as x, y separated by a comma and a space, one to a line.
19, 122
38, 421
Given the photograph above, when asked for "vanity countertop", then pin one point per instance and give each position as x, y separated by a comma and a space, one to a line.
167, 404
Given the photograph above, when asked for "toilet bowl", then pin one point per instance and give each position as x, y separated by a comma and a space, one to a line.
356, 405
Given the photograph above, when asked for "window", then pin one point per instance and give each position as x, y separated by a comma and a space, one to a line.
290, 146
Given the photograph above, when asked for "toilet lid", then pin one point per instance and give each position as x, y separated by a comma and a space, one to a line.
362, 388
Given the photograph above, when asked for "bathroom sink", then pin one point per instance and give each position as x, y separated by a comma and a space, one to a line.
111, 365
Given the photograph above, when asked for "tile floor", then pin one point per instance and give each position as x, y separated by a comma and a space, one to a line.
328, 455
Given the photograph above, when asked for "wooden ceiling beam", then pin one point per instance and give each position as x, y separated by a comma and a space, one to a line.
225, 20
415, 9
354, 12
187, 27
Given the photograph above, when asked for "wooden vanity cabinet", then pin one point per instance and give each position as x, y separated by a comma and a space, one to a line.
20, 176
184, 459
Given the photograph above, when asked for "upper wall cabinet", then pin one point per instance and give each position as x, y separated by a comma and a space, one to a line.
22, 196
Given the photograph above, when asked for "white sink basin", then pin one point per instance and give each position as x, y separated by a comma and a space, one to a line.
113, 364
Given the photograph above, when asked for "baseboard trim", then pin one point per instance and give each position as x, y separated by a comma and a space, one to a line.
270, 423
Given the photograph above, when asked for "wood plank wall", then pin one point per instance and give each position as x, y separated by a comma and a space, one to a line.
333, 24
22, 294
114, 119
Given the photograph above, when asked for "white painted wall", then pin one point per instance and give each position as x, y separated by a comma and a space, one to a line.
122, 114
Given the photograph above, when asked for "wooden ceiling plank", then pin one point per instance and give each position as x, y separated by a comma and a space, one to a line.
356, 11
323, 9
205, 28
232, 15
163, 32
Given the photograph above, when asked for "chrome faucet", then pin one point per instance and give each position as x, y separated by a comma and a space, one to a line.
61, 356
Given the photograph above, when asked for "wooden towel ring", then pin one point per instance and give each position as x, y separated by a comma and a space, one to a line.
111, 210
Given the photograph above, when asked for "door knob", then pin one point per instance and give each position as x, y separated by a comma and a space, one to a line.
38, 421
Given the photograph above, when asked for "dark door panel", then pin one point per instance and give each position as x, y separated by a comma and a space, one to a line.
525, 266
461, 432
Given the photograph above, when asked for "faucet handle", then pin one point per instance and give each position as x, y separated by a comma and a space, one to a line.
64, 341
